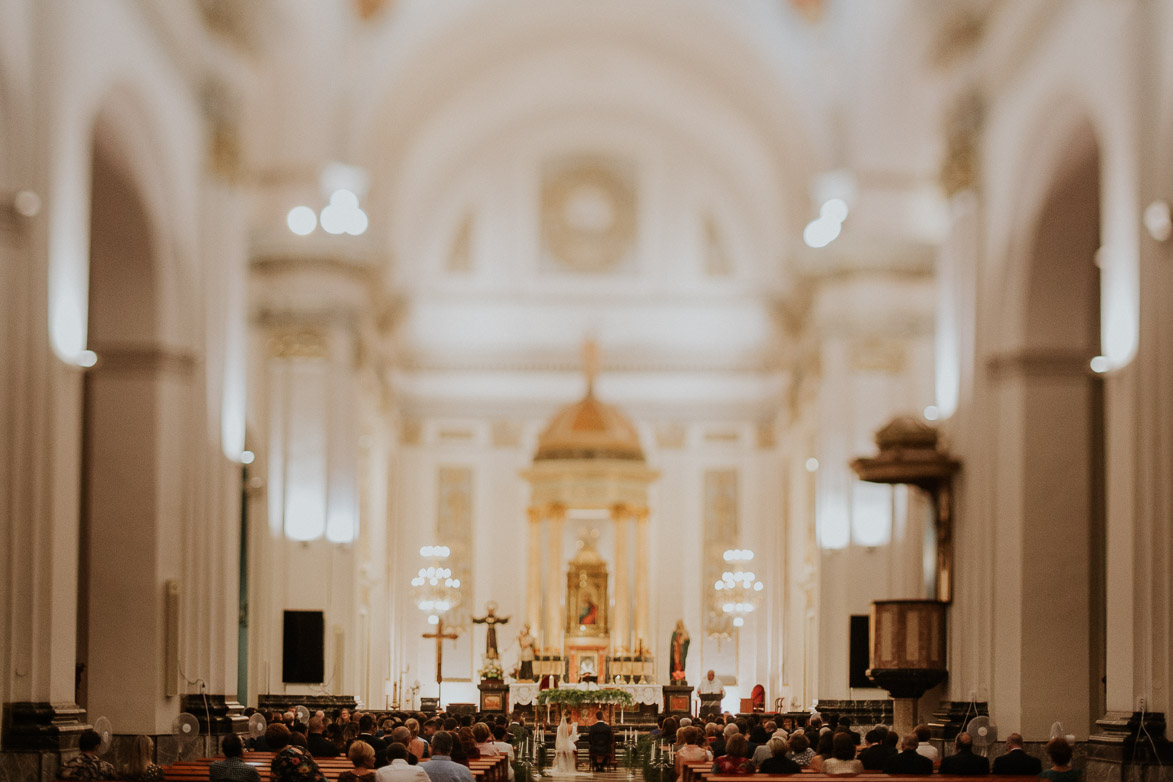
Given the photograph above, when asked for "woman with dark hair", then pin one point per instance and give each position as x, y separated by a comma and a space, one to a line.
466, 746
668, 730
291, 763
800, 749
825, 750
842, 760
736, 758
1059, 751
757, 738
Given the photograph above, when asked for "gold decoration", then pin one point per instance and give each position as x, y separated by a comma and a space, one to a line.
369, 9
963, 129
717, 261
460, 259
876, 354
454, 521
303, 343
721, 528
588, 213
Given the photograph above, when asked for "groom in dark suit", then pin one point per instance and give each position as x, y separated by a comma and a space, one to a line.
1016, 761
601, 740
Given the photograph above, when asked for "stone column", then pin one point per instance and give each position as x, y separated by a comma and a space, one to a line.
555, 584
533, 591
620, 626
642, 596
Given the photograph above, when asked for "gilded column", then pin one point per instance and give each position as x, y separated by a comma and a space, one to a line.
533, 590
555, 584
642, 598
621, 629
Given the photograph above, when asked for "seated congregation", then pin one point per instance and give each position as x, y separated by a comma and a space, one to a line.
399, 747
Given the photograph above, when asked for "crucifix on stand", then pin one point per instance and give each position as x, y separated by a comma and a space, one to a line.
440, 635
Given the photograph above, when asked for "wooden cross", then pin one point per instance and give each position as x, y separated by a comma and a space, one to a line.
440, 635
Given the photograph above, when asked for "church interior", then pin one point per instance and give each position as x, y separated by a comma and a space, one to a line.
404, 354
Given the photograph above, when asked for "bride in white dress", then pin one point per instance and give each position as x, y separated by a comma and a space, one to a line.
566, 747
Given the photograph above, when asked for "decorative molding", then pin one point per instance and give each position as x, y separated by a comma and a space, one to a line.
411, 430
964, 121
671, 435
144, 358
588, 213
877, 354
1038, 363
506, 433
460, 259
298, 344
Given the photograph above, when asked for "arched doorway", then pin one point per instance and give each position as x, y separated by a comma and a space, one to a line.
1052, 449
121, 637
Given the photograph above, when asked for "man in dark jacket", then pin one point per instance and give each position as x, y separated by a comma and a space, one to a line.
964, 762
366, 727
909, 761
878, 751
1016, 761
601, 740
317, 743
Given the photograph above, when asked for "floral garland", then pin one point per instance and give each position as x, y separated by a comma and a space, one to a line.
576, 698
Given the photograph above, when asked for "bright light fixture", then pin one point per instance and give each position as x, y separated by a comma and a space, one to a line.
301, 220
1100, 364
87, 358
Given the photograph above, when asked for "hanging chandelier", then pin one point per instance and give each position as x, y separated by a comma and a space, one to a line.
434, 589
738, 593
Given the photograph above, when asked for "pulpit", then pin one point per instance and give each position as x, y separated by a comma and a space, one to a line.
494, 696
678, 700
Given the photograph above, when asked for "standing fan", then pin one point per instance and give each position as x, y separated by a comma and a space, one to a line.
185, 728
303, 715
256, 725
104, 729
1057, 732
984, 734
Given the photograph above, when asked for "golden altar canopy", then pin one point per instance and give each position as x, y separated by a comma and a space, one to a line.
589, 458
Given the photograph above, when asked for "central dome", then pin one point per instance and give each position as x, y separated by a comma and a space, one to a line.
589, 429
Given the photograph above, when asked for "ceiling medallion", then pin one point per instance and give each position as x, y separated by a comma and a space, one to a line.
588, 213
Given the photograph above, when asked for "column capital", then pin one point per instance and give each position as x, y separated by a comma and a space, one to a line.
535, 514
556, 511
620, 511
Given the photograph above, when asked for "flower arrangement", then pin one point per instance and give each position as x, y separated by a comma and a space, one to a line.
491, 669
576, 698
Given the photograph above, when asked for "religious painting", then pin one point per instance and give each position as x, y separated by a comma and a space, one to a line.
586, 599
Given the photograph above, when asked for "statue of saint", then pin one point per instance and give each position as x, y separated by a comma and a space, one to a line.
491, 620
679, 648
526, 642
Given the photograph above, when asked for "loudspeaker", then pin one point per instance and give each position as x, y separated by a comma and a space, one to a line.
303, 651
860, 653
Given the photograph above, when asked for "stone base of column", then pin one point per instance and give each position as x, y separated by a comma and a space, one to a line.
1129, 749
37, 738
219, 715
34, 726
327, 703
